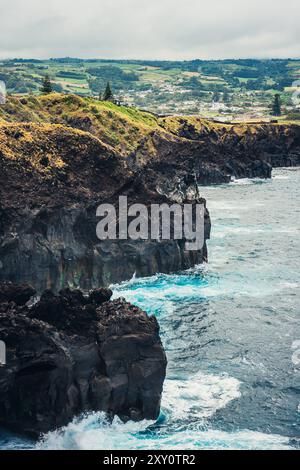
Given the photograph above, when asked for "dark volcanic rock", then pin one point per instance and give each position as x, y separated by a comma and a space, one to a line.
99, 296
66, 356
215, 152
20, 294
48, 214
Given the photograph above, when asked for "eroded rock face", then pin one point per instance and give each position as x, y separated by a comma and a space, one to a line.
48, 213
71, 353
53, 178
216, 154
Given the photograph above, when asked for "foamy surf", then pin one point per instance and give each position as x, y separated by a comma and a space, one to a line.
93, 433
199, 397
247, 181
189, 401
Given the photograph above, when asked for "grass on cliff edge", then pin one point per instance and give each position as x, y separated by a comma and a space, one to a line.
123, 128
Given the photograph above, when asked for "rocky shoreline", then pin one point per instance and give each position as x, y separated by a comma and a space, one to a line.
71, 353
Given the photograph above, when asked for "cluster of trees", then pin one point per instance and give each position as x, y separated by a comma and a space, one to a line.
224, 97
256, 85
108, 72
194, 83
71, 74
99, 76
19, 83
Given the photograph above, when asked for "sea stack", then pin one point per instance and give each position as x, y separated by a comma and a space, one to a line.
70, 353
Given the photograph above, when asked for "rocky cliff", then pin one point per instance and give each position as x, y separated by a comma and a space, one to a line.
62, 155
214, 151
52, 180
69, 354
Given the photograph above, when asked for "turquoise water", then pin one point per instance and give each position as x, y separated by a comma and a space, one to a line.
228, 328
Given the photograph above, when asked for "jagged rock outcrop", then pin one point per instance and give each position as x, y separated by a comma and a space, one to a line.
19, 294
71, 353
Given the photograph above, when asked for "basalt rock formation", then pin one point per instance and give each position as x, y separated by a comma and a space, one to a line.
63, 155
70, 353
52, 179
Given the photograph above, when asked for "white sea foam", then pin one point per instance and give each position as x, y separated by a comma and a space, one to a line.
93, 433
192, 400
200, 396
280, 177
247, 181
123, 437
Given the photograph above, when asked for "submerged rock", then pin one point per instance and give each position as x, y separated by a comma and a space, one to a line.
67, 355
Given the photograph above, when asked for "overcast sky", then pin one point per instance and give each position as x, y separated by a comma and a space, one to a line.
150, 29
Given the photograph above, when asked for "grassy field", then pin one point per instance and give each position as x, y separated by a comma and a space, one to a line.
186, 87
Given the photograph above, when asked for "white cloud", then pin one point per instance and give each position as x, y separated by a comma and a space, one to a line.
160, 29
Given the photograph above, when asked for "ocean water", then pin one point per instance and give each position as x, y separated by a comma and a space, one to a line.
230, 329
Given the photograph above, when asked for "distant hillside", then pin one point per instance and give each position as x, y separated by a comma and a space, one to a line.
212, 88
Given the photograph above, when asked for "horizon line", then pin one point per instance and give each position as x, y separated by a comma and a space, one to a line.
150, 60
